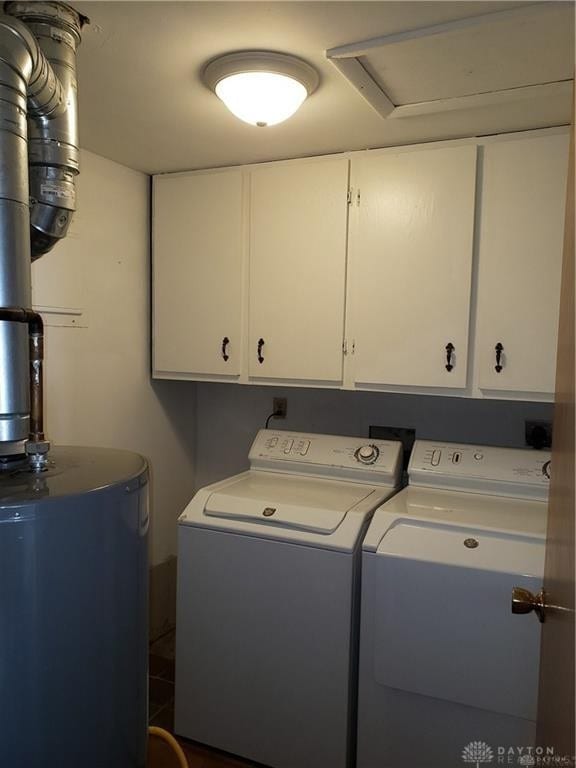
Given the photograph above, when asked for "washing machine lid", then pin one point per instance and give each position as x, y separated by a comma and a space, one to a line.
280, 501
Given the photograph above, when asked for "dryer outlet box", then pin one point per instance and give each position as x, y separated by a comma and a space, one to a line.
406, 435
538, 434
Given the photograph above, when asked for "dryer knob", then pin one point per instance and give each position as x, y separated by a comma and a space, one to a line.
367, 454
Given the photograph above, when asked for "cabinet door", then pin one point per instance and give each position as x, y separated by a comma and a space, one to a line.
522, 220
197, 283
298, 270
411, 266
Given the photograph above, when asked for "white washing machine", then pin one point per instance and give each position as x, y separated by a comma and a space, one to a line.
268, 595
443, 661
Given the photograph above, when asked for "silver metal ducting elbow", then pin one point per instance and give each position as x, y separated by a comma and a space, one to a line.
53, 148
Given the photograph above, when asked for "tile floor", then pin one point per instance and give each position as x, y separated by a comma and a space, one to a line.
161, 707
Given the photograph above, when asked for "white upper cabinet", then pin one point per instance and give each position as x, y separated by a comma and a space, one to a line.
198, 246
365, 270
521, 234
298, 228
411, 265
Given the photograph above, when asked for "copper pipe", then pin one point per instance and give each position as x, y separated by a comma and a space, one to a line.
36, 385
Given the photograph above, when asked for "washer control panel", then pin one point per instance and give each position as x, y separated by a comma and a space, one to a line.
487, 469
332, 455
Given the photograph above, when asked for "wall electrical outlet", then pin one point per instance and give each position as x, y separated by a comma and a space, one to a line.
280, 407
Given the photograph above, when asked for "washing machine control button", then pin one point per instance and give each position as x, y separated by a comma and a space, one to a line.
302, 447
367, 454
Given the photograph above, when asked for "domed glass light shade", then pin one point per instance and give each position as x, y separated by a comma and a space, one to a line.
261, 88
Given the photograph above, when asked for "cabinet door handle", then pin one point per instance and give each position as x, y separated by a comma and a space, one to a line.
499, 348
225, 355
450, 348
260, 355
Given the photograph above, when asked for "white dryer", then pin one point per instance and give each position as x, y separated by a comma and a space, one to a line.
447, 673
268, 597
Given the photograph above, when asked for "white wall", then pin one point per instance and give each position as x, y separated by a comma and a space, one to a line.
99, 390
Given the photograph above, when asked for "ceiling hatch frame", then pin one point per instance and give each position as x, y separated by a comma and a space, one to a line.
346, 58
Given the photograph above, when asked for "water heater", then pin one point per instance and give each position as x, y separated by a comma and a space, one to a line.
73, 521
74, 611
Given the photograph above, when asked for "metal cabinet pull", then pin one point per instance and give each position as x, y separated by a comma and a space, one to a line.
225, 355
450, 349
260, 355
499, 348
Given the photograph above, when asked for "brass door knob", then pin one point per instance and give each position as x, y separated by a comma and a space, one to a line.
523, 601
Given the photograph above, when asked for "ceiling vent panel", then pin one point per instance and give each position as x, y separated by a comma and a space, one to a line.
494, 58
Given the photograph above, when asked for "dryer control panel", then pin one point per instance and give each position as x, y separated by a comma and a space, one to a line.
517, 472
354, 458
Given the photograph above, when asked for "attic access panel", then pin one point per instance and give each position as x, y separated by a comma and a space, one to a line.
497, 57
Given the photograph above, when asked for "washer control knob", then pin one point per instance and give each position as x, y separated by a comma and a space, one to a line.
367, 454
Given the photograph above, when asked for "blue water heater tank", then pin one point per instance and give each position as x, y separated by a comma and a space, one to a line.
74, 611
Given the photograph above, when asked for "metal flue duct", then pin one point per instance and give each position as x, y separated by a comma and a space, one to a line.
39, 159
53, 152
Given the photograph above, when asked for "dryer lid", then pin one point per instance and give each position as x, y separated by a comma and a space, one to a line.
301, 503
443, 623
469, 511
464, 546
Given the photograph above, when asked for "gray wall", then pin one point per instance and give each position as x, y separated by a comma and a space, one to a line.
229, 415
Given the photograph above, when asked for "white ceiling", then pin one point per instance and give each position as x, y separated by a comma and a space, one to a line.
142, 102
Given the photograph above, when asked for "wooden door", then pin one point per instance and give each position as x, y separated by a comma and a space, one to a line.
197, 274
298, 270
411, 265
555, 726
520, 262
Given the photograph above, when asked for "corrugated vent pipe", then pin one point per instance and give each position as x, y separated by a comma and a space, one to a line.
39, 159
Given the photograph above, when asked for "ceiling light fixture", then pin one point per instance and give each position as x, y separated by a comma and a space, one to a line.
260, 87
